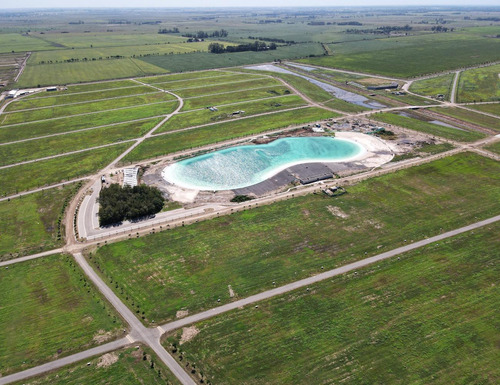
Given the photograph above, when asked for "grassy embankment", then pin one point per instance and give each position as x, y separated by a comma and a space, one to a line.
434, 86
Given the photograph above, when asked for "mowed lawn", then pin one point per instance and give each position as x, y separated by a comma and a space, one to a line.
428, 128
127, 366
428, 317
50, 310
193, 266
29, 224
47, 172
184, 140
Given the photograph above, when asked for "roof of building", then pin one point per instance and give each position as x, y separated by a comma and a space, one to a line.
130, 176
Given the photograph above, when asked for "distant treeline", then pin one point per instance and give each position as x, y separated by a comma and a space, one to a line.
165, 30
334, 23
205, 35
255, 46
385, 30
120, 203
273, 40
440, 28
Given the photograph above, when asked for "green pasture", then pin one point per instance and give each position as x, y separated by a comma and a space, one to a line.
50, 310
471, 117
85, 71
29, 224
35, 149
129, 366
428, 128
205, 116
309, 89
291, 240
213, 81
493, 108
205, 60
495, 147
61, 97
428, 317
234, 97
184, 140
479, 85
226, 87
16, 42
341, 105
434, 86
46, 172
68, 124
184, 76
412, 55
99, 86
85, 108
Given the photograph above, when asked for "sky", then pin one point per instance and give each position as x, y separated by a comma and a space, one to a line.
231, 3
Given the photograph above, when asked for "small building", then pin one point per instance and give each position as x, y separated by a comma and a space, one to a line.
392, 86
11, 94
130, 176
50, 89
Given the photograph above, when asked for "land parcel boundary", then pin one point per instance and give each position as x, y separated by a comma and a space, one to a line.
168, 143
61, 313
291, 240
416, 319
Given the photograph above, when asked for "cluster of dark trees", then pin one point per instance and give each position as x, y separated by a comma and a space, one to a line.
205, 35
255, 46
440, 28
165, 30
120, 203
273, 39
385, 30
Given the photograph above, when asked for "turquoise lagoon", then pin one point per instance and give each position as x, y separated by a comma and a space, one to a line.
243, 166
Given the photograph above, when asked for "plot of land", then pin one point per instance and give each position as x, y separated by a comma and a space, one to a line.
490, 108
439, 85
480, 85
49, 310
472, 117
30, 224
427, 318
291, 240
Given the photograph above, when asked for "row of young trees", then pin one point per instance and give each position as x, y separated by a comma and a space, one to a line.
255, 46
128, 203
205, 35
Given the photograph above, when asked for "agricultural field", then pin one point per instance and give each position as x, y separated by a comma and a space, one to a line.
479, 85
61, 313
412, 123
16, 42
411, 56
184, 140
375, 216
427, 317
134, 365
439, 85
471, 117
63, 168
32, 223
493, 108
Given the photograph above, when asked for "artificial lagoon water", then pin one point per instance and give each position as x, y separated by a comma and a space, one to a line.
243, 166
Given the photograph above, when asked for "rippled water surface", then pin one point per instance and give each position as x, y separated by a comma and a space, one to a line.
242, 166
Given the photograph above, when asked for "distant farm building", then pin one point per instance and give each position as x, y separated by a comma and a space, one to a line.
130, 176
392, 86
49, 89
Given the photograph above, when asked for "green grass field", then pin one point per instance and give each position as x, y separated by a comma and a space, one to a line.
127, 366
429, 128
206, 81
62, 97
30, 224
290, 240
84, 108
177, 141
205, 116
490, 108
495, 147
412, 55
429, 317
480, 85
79, 72
68, 124
242, 95
46, 172
227, 87
35, 149
15, 42
49, 310
471, 116
170, 78
434, 86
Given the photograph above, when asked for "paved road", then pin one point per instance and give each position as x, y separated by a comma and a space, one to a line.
321, 277
53, 365
32, 256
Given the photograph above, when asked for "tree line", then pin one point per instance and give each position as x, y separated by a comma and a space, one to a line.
255, 46
205, 35
128, 203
